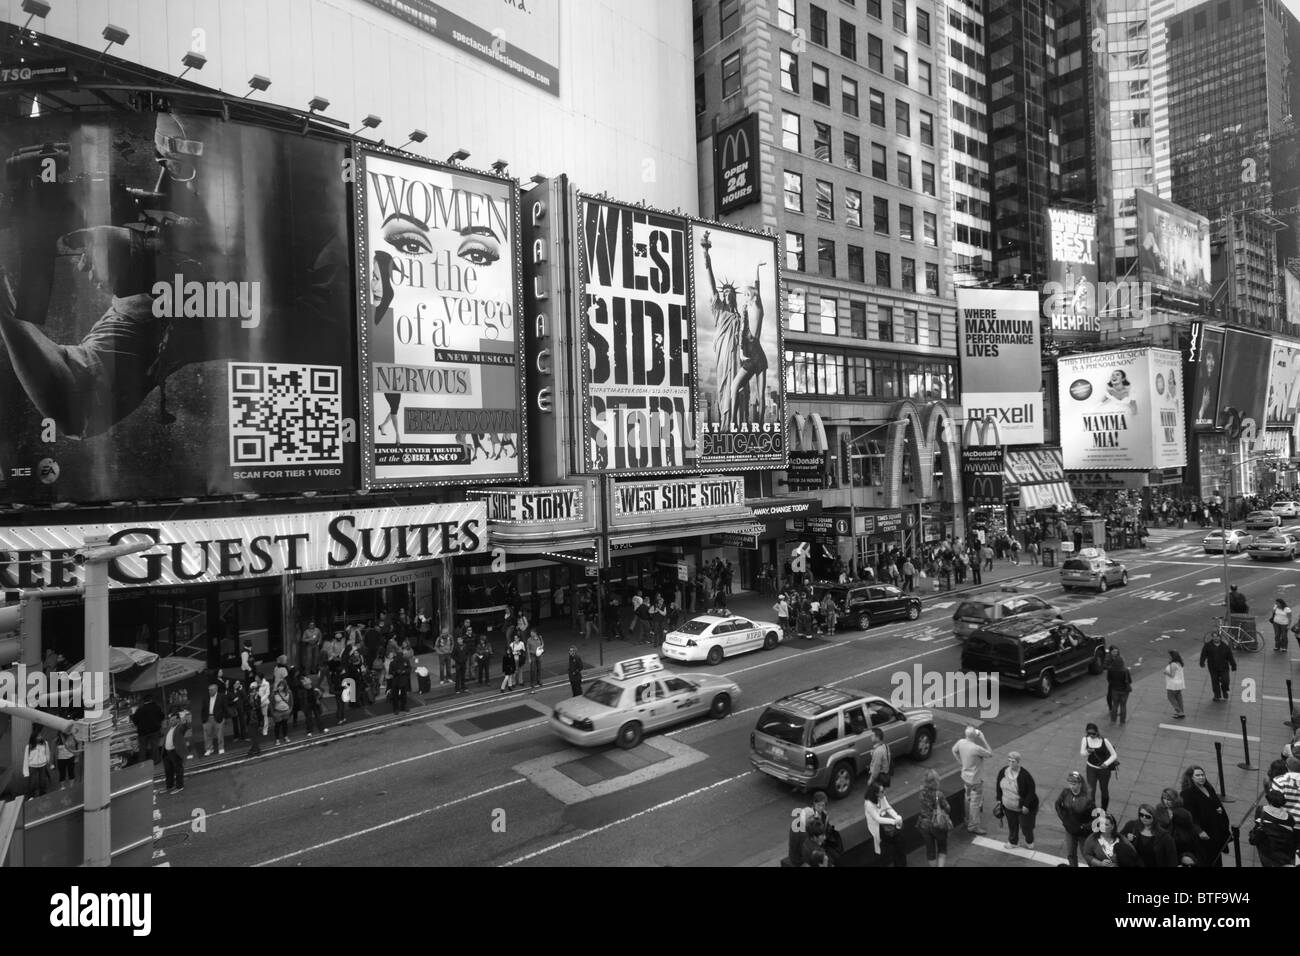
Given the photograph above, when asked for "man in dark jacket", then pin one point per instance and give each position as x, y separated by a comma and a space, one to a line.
148, 719
212, 716
460, 659
1237, 601
575, 672
1217, 656
1074, 808
399, 680
1119, 683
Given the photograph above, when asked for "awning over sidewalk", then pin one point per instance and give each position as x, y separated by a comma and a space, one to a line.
1051, 494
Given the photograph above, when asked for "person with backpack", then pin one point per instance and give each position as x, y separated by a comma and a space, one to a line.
1102, 761
281, 708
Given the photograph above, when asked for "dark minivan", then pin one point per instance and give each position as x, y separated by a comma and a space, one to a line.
1033, 654
861, 605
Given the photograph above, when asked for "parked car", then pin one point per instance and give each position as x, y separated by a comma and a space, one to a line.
1236, 541
1274, 546
1035, 655
1262, 521
993, 606
712, 637
861, 605
1286, 509
818, 739
1090, 568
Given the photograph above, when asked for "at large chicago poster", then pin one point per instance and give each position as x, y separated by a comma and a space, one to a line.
173, 310
738, 337
441, 346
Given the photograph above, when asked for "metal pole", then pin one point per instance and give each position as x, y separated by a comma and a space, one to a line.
97, 848
1290, 706
1245, 744
1236, 845
1223, 790
1223, 517
853, 512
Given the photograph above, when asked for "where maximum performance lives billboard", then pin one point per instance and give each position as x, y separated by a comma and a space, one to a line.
1000, 343
174, 309
680, 343
441, 347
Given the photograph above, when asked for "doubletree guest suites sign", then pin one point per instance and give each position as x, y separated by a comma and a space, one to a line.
232, 549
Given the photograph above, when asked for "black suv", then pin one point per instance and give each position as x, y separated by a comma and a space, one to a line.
866, 604
1033, 654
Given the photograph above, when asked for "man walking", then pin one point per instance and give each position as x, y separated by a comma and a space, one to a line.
881, 762
1217, 657
971, 752
213, 717
1119, 684
575, 672
309, 648
1074, 808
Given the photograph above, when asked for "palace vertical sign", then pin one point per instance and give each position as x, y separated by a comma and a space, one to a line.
736, 166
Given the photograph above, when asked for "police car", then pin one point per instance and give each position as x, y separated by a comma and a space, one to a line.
710, 637
640, 695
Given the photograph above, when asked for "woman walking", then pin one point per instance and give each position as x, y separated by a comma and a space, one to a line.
1154, 846
1104, 847
507, 669
1018, 800
1208, 815
886, 826
934, 821
1281, 620
1175, 682
1102, 760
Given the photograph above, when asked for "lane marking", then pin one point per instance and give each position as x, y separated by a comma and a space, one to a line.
1037, 856
628, 819
390, 823
1207, 733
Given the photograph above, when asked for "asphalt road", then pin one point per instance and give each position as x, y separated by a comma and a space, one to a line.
486, 783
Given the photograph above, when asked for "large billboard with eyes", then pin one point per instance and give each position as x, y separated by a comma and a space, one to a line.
441, 347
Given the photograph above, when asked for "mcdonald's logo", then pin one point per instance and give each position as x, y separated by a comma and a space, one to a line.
985, 487
735, 147
981, 433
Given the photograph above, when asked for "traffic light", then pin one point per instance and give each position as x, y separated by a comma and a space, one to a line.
11, 638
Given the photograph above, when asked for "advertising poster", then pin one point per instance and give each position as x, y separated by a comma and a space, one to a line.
1173, 246
981, 476
737, 302
1000, 345
174, 316
638, 340
1207, 356
736, 165
1122, 409
1070, 306
1291, 282
1243, 386
441, 349
1283, 384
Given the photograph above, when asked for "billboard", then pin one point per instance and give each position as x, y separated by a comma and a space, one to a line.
174, 310
1283, 397
1000, 346
1072, 276
441, 351
1173, 246
737, 298
1122, 409
521, 39
981, 476
1243, 385
637, 340
1206, 357
736, 166
1291, 286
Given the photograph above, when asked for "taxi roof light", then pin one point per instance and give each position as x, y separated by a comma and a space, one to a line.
636, 666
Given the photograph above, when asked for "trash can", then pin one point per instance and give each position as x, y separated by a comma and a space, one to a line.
1049, 557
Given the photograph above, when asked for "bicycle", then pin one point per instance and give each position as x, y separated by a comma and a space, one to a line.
1237, 638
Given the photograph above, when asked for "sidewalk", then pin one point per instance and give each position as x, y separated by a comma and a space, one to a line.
599, 656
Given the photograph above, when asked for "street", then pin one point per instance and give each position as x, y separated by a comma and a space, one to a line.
487, 783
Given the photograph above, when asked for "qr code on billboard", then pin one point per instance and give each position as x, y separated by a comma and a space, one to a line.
285, 414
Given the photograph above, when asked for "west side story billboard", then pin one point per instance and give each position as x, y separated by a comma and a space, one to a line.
441, 347
174, 310
1000, 344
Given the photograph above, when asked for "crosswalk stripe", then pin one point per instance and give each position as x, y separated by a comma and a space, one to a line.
1036, 856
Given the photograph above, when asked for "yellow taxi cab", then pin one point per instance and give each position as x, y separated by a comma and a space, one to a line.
1090, 568
640, 695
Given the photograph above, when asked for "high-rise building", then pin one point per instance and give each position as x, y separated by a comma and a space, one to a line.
1133, 120
961, 34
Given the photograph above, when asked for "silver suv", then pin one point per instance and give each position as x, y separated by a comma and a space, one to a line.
979, 610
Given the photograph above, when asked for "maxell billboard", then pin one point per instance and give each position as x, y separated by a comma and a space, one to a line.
1072, 276
1173, 246
1122, 409
736, 165
1000, 344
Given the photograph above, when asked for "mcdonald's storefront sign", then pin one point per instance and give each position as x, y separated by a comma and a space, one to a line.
735, 165
982, 475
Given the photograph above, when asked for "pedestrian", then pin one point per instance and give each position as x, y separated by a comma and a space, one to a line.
934, 821
1206, 809
536, 647
803, 619
520, 651
399, 681
1104, 847
1275, 836
1237, 603
1015, 551
1281, 620
976, 575
812, 849
1102, 761
264, 704
483, 661
1216, 655
442, 647
149, 719
782, 609
175, 747
1074, 809
830, 613
1172, 817
460, 656
508, 668
881, 762
36, 764
337, 684
246, 662
212, 716
1285, 779
658, 618
885, 825
988, 558
1175, 681
309, 647
312, 707
971, 752
66, 748
281, 708
1155, 846
1035, 552
1018, 800
575, 672
1119, 684
909, 575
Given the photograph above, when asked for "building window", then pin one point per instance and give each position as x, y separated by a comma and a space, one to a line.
879, 165
821, 85
849, 95
858, 320
817, 25
848, 40
927, 127
822, 141
731, 75
875, 53
935, 326
793, 191
790, 138
884, 316
900, 65
923, 27
900, 15
930, 228
880, 215
902, 118
789, 72
826, 258
909, 276
857, 271
852, 152
829, 316
905, 170
794, 260
786, 17
883, 277
926, 76
700, 103
729, 14
907, 330
932, 278
877, 107
853, 207
697, 32
825, 201
796, 320
927, 178
906, 226
873, 8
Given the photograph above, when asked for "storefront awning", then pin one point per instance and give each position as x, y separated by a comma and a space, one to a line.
1051, 494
